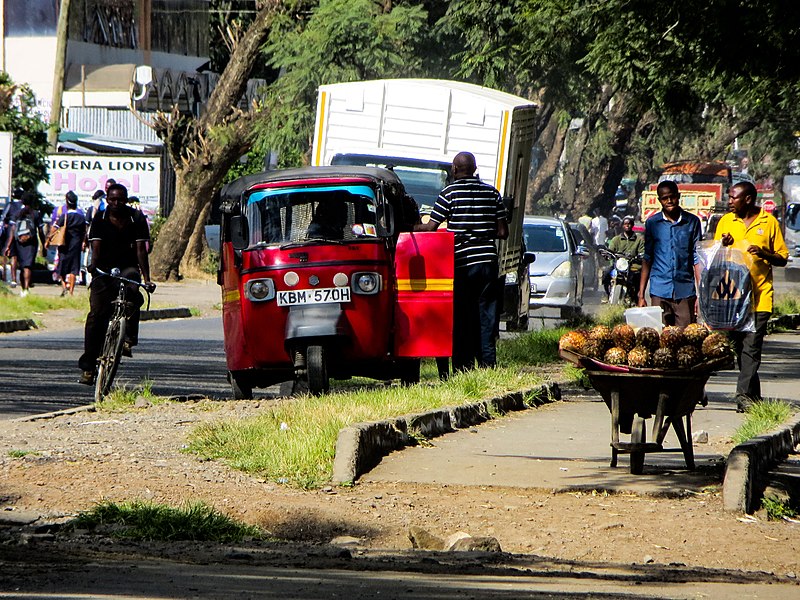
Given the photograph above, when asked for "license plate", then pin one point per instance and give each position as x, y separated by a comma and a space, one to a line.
315, 296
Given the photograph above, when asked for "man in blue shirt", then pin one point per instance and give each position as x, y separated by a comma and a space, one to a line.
670, 262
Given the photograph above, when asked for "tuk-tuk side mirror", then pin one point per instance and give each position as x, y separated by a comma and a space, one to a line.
385, 217
240, 232
528, 258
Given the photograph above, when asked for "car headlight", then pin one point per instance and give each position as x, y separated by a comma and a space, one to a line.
366, 283
622, 264
562, 270
259, 290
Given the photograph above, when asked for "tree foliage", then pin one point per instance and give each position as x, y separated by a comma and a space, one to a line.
18, 116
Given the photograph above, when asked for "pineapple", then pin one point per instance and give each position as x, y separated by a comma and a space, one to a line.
602, 334
648, 338
594, 349
695, 334
688, 356
616, 356
664, 358
624, 337
572, 341
717, 345
672, 337
640, 357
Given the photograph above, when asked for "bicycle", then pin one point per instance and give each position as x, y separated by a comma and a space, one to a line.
108, 361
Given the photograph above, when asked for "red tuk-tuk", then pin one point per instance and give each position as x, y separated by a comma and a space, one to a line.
321, 278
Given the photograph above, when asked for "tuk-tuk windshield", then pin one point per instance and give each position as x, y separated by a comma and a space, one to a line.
299, 214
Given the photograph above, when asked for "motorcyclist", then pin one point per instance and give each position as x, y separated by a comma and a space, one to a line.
630, 245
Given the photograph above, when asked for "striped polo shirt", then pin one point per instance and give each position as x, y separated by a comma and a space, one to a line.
472, 209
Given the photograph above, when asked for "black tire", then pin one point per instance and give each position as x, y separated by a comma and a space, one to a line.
242, 389
638, 436
108, 362
409, 371
317, 370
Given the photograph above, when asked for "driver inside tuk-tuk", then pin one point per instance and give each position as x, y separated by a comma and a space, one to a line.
329, 218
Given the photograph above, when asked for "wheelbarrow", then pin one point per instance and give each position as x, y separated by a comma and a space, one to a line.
635, 395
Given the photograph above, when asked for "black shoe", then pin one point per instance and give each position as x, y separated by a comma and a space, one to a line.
126, 349
87, 378
743, 403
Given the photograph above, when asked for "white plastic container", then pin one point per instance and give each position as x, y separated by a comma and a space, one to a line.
644, 316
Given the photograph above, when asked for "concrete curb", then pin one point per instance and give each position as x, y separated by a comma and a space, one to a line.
750, 461
180, 312
361, 446
17, 325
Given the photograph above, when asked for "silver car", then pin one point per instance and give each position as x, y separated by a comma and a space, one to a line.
556, 276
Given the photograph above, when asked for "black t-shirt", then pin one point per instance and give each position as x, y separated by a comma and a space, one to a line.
119, 245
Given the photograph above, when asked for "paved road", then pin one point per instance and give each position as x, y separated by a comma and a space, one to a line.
180, 357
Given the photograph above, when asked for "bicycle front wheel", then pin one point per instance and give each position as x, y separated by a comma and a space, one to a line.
109, 359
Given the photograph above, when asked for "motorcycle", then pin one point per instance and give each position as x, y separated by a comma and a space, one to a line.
623, 279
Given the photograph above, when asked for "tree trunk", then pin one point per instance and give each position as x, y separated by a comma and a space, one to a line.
551, 141
196, 250
601, 180
201, 160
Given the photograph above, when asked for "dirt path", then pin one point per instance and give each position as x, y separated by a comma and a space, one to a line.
57, 467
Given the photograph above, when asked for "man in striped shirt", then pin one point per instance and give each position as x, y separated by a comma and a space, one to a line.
475, 213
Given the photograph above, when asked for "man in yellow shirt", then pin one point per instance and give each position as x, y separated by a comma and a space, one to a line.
762, 234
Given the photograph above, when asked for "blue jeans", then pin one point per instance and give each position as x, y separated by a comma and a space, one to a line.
475, 297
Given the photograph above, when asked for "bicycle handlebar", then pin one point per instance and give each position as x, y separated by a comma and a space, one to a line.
147, 287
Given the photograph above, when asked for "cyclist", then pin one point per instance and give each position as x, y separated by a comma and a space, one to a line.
119, 236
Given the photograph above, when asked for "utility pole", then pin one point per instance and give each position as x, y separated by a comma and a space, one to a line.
58, 74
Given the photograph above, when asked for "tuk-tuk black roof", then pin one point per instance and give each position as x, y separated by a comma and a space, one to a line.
232, 192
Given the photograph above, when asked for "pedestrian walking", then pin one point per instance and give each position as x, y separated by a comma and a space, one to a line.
670, 264
761, 234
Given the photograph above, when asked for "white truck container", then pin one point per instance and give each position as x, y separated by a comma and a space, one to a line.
416, 127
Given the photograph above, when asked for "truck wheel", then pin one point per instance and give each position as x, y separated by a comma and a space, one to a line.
638, 436
317, 370
241, 387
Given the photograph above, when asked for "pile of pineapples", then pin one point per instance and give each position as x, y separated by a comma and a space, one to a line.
674, 348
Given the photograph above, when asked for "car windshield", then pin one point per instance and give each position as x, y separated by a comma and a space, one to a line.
422, 179
300, 214
544, 238
793, 217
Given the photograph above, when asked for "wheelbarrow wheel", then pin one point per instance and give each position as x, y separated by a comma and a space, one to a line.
317, 370
638, 436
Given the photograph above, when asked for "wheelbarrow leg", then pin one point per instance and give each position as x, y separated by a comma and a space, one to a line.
686, 442
638, 436
659, 427
614, 426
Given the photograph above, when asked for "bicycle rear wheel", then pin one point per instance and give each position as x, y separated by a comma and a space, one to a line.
109, 359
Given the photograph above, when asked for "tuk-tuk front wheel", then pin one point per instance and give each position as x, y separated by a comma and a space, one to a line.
241, 387
317, 370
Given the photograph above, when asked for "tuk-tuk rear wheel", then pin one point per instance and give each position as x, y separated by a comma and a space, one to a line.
242, 389
316, 370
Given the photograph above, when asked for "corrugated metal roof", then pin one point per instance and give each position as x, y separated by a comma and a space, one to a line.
109, 123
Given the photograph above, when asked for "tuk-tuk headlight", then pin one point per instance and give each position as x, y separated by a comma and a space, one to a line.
259, 290
366, 283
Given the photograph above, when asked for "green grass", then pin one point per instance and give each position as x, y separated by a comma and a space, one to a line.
295, 441
777, 509
14, 307
21, 453
786, 304
142, 520
123, 398
762, 417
